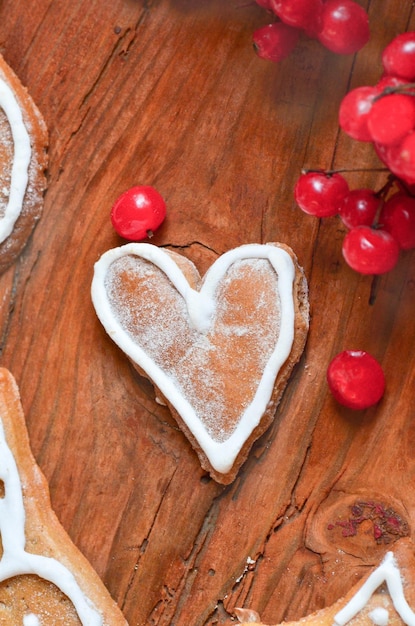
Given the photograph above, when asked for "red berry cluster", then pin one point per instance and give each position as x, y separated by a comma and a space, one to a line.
380, 224
384, 114
342, 26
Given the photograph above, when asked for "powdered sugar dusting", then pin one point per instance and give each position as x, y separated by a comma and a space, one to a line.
213, 351
218, 372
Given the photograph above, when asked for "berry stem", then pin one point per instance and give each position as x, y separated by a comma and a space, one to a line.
407, 89
344, 170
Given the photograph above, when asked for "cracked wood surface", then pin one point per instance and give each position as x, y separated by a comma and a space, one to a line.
170, 93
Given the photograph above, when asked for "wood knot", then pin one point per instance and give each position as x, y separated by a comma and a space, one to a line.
361, 525
375, 519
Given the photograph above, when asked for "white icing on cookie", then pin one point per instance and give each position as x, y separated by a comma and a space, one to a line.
387, 572
202, 309
31, 620
21, 160
15, 561
379, 616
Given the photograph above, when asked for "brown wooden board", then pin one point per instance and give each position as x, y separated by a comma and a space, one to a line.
170, 93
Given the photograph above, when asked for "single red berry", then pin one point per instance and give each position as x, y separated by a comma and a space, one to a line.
370, 251
359, 207
345, 26
389, 82
405, 157
356, 379
320, 194
138, 212
354, 110
304, 14
398, 218
398, 58
274, 42
391, 118
399, 158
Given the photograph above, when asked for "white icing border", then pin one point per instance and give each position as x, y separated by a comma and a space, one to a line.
15, 561
200, 305
388, 572
21, 160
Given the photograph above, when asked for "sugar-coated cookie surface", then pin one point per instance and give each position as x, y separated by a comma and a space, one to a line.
219, 350
385, 596
44, 579
23, 161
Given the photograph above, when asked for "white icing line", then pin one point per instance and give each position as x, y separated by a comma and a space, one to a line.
15, 561
200, 305
31, 620
379, 616
388, 572
21, 160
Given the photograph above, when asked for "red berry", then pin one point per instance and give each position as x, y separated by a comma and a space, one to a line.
345, 26
359, 207
390, 118
305, 14
276, 41
354, 111
387, 82
398, 218
406, 157
399, 158
320, 194
398, 58
138, 212
370, 251
356, 379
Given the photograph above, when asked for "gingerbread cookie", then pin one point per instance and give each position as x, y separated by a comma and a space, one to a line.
23, 161
384, 597
219, 351
44, 579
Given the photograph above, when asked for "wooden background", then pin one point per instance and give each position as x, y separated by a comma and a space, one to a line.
170, 93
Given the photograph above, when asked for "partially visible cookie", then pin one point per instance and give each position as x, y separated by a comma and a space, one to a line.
219, 351
44, 579
23, 161
385, 597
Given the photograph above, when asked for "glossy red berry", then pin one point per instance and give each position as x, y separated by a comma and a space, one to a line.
370, 251
356, 379
405, 157
359, 207
354, 110
391, 118
398, 58
399, 158
398, 218
389, 82
345, 26
304, 14
138, 212
274, 42
320, 194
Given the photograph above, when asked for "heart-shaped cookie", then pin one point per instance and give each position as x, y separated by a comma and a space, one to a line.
218, 350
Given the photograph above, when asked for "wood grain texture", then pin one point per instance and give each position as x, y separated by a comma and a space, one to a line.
170, 93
